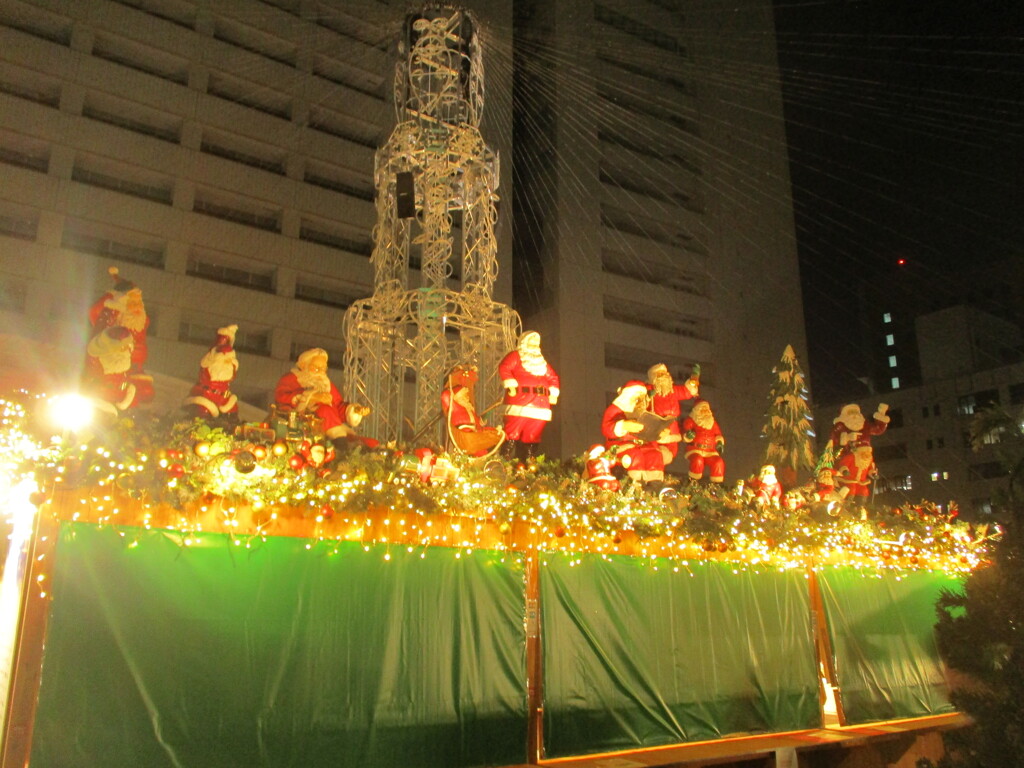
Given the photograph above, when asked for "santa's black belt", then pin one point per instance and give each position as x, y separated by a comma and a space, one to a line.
534, 390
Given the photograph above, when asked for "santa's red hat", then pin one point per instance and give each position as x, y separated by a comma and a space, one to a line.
628, 394
121, 285
226, 335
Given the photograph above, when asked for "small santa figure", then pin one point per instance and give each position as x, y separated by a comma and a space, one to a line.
621, 425
531, 388
212, 395
705, 443
108, 361
666, 396
769, 489
599, 465
465, 427
854, 468
306, 388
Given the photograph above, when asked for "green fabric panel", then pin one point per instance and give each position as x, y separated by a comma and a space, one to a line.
214, 655
636, 657
882, 630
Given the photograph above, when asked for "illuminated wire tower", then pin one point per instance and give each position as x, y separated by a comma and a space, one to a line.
436, 181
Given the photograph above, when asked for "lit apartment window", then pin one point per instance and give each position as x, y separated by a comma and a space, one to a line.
935, 476
895, 382
886, 317
892, 361
889, 339
945, 475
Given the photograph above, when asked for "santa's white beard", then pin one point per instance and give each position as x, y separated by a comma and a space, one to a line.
663, 384
221, 366
312, 382
533, 362
133, 320
705, 421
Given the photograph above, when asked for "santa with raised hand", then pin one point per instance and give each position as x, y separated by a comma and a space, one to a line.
621, 426
705, 443
122, 306
531, 388
306, 388
212, 395
666, 396
108, 359
850, 445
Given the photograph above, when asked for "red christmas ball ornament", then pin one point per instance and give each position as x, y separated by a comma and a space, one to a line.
327, 511
559, 531
723, 546
709, 546
260, 452
296, 462
36, 498
176, 470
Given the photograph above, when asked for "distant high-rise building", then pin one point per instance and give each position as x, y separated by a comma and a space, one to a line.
653, 217
221, 154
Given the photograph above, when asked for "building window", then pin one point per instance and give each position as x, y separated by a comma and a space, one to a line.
940, 442
986, 471
211, 269
318, 294
936, 410
935, 477
924, 412
892, 361
895, 382
895, 418
890, 452
945, 475
968, 405
928, 444
889, 339
120, 245
886, 317
902, 483
1017, 394
141, 58
239, 211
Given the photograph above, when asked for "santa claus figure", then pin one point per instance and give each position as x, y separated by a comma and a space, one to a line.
212, 396
598, 471
851, 433
108, 361
464, 425
306, 389
768, 489
666, 396
531, 388
622, 425
705, 443
123, 306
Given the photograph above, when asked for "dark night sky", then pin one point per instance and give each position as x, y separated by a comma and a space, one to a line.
906, 136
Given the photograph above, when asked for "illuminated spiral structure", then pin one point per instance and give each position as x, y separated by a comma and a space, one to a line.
434, 174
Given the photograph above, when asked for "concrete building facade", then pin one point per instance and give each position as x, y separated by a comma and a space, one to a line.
220, 153
653, 206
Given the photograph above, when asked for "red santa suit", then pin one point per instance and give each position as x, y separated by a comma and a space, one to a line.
855, 471
123, 306
212, 394
536, 389
106, 375
850, 434
703, 449
643, 460
666, 405
475, 437
296, 388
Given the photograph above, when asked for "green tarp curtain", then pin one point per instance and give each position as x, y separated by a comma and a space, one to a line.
882, 630
216, 655
638, 657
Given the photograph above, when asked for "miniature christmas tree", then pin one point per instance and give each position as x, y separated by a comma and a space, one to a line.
788, 425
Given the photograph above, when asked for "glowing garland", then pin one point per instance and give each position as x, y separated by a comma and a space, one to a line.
192, 479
